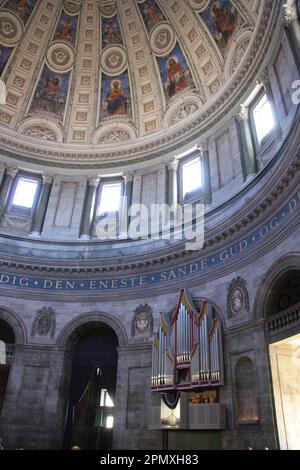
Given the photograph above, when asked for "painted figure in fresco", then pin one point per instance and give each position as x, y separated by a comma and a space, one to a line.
176, 77
49, 95
51, 88
153, 17
225, 20
22, 5
116, 99
66, 32
111, 34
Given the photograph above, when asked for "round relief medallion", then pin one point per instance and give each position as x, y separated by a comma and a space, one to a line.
10, 29
71, 8
199, 4
162, 39
237, 300
108, 10
60, 57
113, 60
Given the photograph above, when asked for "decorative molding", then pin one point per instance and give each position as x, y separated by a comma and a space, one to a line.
289, 14
203, 146
263, 79
128, 176
142, 321
242, 114
237, 297
224, 236
48, 178
60, 57
11, 170
183, 112
44, 322
11, 29
249, 242
93, 180
172, 164
114, 60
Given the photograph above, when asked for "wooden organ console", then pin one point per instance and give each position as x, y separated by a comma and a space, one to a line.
187, 357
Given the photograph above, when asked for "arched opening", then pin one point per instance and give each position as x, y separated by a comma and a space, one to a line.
285, 292
7, 345
90, 415
246, 395
282, 313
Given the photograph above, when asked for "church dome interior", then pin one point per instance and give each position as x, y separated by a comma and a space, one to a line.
149, 224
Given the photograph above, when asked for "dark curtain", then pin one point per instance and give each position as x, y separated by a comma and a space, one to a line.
95, 351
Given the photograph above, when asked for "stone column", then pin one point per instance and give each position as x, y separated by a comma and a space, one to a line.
89, 206
172, 166
264, 81
290, 21
246, 144
127, 200
39, 217
10, 173
206, 174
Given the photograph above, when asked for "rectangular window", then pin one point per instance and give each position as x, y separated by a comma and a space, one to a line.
25, 193
263, 118
191, 176
105, 399
110, 198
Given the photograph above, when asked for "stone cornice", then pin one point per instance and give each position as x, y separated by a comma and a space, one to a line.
265, 207
262, 201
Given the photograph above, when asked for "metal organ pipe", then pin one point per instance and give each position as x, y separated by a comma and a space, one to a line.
191, 337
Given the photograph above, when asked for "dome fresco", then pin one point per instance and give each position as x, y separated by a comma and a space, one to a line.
97, 73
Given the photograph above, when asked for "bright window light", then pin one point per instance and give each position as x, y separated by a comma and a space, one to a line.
25, 193
110, 198
191, 175
263, 118
105, 399
109, 422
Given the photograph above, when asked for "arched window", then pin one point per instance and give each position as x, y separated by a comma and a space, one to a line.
7, 342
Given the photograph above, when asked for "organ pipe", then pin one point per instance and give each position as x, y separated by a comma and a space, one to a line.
187, 349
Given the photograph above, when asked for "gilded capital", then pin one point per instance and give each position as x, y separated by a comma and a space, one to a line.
242, 114
128, 177
47, 178
263, 79
288, 14
172, 164
203, 147
11, 170
93, 180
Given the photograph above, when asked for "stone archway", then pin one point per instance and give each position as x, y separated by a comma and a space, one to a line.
278, 304
72, 330
263, 300
72, 335
13, 320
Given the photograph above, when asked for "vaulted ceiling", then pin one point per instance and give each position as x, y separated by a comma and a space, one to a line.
93, 74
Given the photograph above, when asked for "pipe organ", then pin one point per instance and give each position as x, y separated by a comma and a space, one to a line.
187, 349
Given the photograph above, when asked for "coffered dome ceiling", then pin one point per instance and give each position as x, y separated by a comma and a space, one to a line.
84, 77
